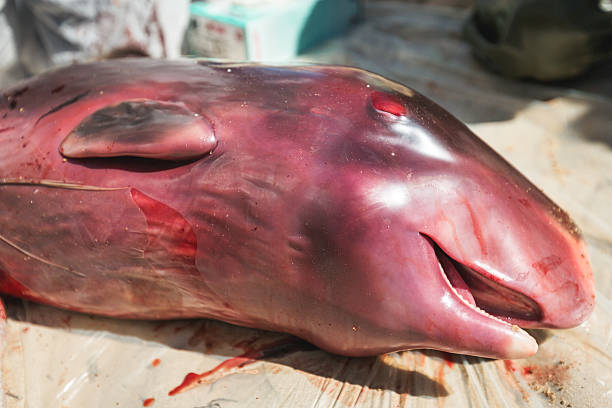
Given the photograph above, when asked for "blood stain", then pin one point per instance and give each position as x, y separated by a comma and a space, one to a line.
388, 103
250, 356
448, 358
509, 365
524, 202
539, 376
547, 264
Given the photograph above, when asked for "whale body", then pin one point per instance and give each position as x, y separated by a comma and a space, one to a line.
322, 201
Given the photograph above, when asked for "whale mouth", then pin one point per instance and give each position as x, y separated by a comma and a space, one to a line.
486, 294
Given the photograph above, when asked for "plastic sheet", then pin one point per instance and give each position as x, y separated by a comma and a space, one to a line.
65, 359
58, 32
8, 54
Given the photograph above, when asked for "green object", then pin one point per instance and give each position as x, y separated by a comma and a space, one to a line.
267, 31
540, 39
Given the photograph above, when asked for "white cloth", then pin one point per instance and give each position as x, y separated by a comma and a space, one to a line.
59, 32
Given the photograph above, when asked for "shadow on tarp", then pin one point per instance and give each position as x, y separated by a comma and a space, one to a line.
407, 373
595, 124
416, 373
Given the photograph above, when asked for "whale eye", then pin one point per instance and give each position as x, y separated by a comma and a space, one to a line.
385, 102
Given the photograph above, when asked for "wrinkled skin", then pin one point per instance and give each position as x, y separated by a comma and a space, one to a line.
326, 202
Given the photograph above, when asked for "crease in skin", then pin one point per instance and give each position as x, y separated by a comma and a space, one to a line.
63, 105
56, 184
39, 259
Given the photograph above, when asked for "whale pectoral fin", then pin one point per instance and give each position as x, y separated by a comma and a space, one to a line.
141, 128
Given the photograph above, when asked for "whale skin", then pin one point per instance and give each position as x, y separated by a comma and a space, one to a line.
322, 201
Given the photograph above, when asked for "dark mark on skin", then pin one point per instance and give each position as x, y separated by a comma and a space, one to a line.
63, 105
57, 89
20, 92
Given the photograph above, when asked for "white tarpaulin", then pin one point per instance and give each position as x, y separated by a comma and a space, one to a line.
561, 140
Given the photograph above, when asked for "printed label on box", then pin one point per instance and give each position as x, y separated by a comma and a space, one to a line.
209, 38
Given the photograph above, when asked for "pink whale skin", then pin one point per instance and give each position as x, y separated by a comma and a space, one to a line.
326, 202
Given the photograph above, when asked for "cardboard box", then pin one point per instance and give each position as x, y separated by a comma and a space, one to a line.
265, 30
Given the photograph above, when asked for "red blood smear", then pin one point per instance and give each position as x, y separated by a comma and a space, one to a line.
555, 374
193, 378
449, 359
388, 103
156, 362
248, 357
476, 226
441, 374
524, 202
148, 402
547, 264
509, 366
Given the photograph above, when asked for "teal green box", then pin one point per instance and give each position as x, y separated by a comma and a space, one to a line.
269, 31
